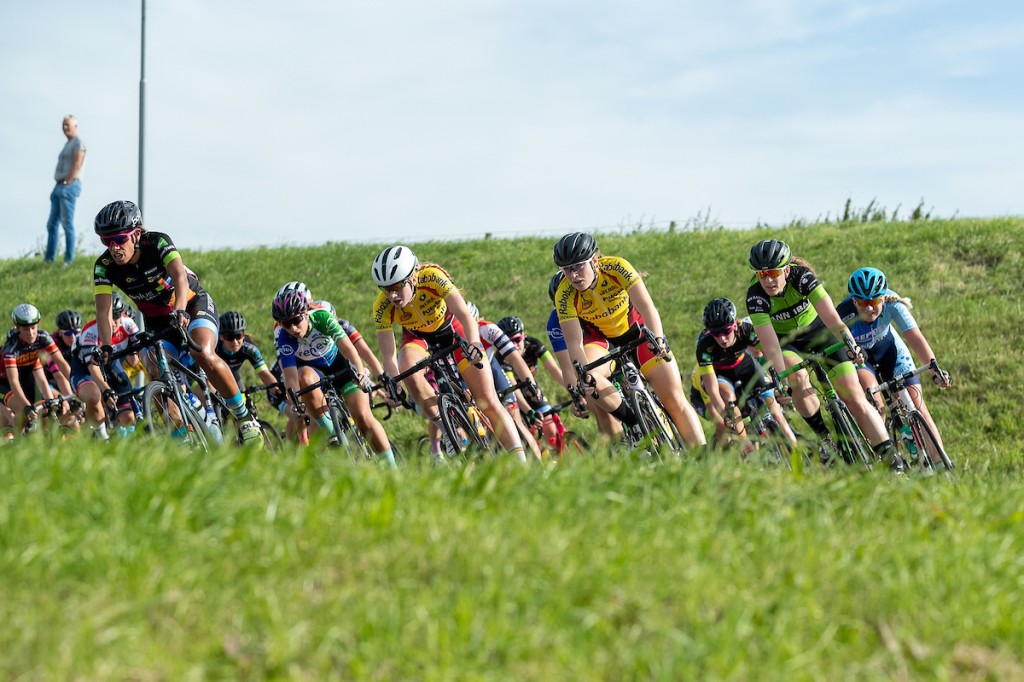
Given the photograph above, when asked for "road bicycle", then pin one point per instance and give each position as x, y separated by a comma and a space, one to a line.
850, 442
166, 407
346, 434
465, 430
655, 430
905, 423
46, 415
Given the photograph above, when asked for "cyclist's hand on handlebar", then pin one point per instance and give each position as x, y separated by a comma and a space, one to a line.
101, 356
533, 393
365, 382
660, 347
853, 351
180, 319
475, 354
942, 378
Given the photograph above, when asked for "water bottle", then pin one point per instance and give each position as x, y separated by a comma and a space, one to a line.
195, 402
908, 440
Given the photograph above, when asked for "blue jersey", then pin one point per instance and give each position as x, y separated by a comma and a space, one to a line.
555, 333
877, 338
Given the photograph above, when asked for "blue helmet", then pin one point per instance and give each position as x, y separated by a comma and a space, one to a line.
867, 283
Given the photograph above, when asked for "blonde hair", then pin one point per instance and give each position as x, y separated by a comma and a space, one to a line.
896, 298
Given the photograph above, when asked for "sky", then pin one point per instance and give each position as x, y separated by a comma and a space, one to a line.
308, 121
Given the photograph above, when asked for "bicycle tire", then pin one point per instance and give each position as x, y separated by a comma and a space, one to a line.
155, 399
849, 440
271, 438
774, 442
352, 438
456, 423
927, 442
651, 425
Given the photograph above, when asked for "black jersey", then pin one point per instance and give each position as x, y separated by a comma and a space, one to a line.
146, 281
248, 352
710, 354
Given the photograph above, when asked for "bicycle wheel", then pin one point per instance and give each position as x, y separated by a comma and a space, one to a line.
648, 416
927, 443
348, 433
158, 407
271, 438
849, 439
458, 432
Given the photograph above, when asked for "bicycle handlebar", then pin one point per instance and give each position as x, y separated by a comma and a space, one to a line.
897, 382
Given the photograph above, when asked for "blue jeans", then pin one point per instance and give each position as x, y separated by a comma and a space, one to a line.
62, 212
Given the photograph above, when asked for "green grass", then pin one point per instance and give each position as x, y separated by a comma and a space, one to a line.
147, 563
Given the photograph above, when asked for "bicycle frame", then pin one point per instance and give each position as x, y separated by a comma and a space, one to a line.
849, 439
657, 426
903, 413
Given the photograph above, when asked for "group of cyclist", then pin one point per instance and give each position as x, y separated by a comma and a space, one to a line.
599, 303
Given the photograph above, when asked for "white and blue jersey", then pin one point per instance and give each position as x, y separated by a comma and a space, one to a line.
884, 349
318, 348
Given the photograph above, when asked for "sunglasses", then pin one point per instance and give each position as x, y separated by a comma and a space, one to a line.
765, 274
873, 302
70, 332
293, 321
518, 338
575, 267
723, 331
395, 288
238, 337
117, 239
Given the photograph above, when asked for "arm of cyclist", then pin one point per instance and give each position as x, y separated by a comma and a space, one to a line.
470, 328
103, 319
923, 350
827, 312
641, 300
290, 378
709, 380
177, 272
346, 348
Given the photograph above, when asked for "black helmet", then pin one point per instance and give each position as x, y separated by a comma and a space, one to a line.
232, 323
769, 254
511, 325
719, 313
574, 248
556, 279
116, 306
117, 217
69, 320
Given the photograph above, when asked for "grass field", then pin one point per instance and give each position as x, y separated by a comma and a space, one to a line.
131, 563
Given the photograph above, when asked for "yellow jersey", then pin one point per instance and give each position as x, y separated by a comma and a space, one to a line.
606, 305
426, 312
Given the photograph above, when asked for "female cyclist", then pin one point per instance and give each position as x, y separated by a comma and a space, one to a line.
148, 268
235, 348
311, 344
607, 425
729, 372
26, 346
429, 308
609, 293
869, 311
791, 311
105, 388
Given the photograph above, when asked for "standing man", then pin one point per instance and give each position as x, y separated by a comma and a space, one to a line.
65, 193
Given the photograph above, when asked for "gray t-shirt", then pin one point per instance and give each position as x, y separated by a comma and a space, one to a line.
66, 160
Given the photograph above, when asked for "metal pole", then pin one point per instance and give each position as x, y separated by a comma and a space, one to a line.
142, 113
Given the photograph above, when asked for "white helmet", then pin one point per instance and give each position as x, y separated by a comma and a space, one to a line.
393, 265
298, 287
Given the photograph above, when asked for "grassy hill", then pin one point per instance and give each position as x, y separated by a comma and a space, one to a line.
124, 563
